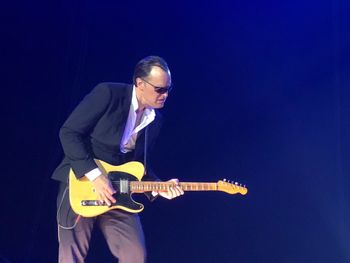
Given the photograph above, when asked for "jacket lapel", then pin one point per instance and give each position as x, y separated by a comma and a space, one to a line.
125, 104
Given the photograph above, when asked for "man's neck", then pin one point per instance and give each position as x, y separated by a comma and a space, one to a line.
141, 106
140, 111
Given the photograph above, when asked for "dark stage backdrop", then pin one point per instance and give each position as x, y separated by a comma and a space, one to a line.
261, 96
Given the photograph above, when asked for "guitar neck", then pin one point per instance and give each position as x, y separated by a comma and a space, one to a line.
141, 187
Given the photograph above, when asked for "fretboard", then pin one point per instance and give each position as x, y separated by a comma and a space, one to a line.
140, 187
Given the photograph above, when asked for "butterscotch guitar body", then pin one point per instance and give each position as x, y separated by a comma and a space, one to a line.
85, 202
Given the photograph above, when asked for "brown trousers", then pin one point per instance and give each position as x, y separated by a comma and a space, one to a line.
122, 231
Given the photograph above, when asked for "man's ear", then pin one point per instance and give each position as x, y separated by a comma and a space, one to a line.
138, 83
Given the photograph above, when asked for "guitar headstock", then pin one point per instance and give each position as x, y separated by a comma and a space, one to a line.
231, 187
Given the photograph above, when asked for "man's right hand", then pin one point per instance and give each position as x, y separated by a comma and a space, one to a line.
104, 189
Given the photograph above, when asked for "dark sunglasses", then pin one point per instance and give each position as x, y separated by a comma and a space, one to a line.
160, 90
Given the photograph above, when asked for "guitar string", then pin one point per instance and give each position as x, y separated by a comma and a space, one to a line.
157, 185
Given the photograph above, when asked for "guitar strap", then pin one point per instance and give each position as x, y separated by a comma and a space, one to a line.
145, 149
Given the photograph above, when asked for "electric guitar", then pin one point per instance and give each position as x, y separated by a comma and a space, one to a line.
126, 180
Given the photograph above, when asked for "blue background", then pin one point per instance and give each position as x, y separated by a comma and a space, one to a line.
261, 97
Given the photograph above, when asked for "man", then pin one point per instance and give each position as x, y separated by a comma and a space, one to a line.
115, 123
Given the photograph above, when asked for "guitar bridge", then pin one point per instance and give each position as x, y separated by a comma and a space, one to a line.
92, 203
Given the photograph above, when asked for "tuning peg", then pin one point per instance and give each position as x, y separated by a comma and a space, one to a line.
224, 180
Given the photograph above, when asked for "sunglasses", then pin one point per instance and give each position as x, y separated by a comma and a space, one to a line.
160, 90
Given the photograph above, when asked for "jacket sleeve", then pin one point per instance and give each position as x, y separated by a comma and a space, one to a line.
75, 132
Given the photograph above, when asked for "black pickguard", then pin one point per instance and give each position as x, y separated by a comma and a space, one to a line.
123, 198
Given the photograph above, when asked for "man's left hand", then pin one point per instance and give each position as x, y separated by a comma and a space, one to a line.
173, 191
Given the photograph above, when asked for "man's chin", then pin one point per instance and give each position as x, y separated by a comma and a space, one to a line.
159, 105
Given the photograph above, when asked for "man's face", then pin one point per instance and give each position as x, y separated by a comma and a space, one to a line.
148, 88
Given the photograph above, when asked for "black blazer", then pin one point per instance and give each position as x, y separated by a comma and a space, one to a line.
95, 129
